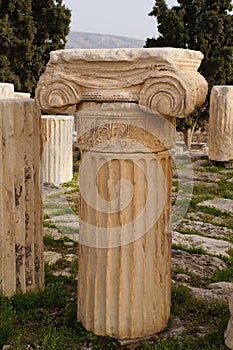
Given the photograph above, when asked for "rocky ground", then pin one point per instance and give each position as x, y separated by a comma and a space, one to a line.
202, 251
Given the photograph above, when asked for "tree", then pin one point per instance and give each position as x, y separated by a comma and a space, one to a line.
204, 25
29, 30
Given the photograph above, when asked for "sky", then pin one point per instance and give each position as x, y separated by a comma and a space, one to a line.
116, 17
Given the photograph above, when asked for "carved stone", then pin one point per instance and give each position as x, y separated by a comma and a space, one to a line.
6, 90
125, 239
21, 217
229, 330
57, 156
126, 101
22, 95
164, 80
221, 124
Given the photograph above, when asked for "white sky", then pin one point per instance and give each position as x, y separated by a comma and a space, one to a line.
117, 17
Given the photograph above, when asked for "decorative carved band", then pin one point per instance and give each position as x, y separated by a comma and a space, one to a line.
119, 137
125, 127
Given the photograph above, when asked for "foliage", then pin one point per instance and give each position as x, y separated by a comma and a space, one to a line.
204, 25
29, 30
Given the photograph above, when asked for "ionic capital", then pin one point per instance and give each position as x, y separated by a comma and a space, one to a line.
163, 80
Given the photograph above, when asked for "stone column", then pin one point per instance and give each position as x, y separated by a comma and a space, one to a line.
127, 101
229, 330
6, 90
21, 218
22, 95
221, 124
57, 156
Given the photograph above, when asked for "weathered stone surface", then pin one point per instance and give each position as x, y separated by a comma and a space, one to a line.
212, 246
125, 227
136, 75
198, 264
21, 253
125, 175
229, 330
22, 95
57, 156
221, 124
220, 291
52, 257
6, 90
206, 229
223, 204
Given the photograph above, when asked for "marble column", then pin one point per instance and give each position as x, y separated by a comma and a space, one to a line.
21, 217
6, 90
220, 141
229, 330
57, 155
126, 101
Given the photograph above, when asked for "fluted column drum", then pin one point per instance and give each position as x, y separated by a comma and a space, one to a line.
221, 124
57, 155
125, 240
21, 217
126, 101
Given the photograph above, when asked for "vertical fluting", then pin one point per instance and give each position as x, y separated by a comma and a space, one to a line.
21, 253
125, 242
220, 141
57, 156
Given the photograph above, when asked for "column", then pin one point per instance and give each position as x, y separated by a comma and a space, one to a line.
229, 330
21, 217
6, 90
126, 101
125, 238
220, 141
57, 155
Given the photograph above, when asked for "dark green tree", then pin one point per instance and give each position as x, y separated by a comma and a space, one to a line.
204, 25
29, 30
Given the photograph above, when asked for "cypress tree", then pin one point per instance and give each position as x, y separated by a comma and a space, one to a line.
204, 25
29, 30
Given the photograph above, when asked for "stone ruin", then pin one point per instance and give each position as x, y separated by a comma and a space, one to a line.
21, 216
126, 101
57, 153
221, 124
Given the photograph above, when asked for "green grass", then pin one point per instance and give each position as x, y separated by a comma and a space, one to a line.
181, 270
194, 313
192, 250
74, 183
47, 320
50, 224
227, 273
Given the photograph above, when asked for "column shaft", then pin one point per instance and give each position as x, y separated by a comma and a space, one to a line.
57, 156
21, 254
125, 244
221, 124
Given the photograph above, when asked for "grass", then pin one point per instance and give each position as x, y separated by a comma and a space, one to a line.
55, 243
73, 184
192, 250
227, 273
47, 320
186, 231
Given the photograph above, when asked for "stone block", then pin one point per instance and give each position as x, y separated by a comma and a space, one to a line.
221, 124
21, 216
